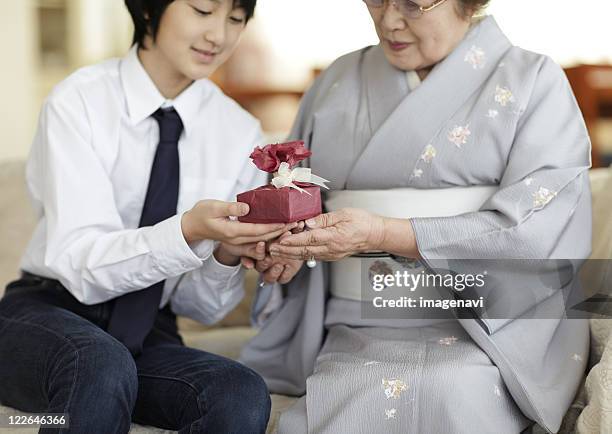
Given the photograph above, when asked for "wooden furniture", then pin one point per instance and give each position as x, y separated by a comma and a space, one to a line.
592, 85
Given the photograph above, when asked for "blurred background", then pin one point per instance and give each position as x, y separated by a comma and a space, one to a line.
284, 47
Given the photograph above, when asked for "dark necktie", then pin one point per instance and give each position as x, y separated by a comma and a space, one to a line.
133, 314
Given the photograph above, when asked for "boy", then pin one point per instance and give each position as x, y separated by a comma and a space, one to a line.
123, 154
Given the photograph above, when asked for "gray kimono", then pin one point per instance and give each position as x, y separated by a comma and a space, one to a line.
489, 114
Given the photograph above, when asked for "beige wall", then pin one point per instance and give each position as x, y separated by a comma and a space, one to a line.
280, 38
96, 30
17, 78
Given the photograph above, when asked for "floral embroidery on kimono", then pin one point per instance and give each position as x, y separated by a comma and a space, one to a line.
393, 388
492, 114
459, 135
390, 413
429, 154
448, 341
503, 96
576, 357
476, 57
542, 197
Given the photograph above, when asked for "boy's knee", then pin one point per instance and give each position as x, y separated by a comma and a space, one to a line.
110, 370
255, 405
243, 404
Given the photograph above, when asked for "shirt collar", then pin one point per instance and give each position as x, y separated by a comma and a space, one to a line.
188, 103
143, 98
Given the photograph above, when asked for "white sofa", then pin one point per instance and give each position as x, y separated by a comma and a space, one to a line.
16, 223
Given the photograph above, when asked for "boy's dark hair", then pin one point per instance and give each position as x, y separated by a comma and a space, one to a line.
146, 15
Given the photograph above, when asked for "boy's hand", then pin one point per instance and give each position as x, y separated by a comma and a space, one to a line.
230, 255
210, 220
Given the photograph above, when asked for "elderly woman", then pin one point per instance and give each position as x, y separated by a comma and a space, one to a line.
443, 142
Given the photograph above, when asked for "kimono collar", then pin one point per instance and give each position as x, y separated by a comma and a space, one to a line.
426, 109
480, 50
143, 98
413, 77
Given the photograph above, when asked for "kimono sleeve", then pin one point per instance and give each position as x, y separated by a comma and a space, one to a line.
543, 189
541, 215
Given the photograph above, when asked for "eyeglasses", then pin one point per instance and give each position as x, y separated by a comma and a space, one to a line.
407, 8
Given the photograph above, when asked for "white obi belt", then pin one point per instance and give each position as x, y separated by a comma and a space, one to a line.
404, 203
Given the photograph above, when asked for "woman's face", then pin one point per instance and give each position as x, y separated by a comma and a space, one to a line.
195, 37
415, 44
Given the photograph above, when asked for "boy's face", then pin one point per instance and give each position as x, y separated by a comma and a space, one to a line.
197, 36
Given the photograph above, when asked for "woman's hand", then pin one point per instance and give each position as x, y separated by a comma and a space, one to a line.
280, 270
333, 236
210, 220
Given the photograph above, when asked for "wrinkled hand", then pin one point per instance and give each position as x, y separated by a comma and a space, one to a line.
333, 236
280, 270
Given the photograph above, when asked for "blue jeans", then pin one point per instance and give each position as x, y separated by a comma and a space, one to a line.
56, 357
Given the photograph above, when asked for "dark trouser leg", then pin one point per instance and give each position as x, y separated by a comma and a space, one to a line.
53, 360
193, 391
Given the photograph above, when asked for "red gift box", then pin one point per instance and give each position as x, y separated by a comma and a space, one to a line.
294, 194
269, 204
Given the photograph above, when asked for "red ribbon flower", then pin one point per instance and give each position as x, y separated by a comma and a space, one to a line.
270, 157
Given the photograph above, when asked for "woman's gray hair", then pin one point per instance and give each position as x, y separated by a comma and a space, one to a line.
469, 8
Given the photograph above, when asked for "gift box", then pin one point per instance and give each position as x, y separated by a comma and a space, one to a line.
294, 193
286, 205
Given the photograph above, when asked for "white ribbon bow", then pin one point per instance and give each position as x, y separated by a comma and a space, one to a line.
285, 177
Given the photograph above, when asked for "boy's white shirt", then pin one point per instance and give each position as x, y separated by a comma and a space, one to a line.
88, 172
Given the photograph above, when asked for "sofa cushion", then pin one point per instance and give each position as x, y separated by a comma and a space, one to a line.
597, 394
17, 220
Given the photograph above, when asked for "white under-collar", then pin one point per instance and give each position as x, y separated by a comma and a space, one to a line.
413, 79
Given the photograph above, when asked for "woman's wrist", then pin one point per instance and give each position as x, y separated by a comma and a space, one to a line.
376, 236
399, 238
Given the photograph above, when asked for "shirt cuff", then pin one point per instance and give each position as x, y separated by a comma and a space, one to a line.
172, 254
202, 249
220, 272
